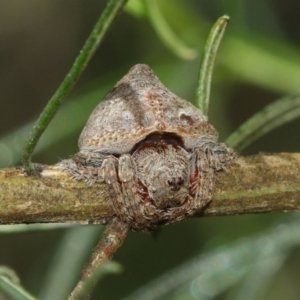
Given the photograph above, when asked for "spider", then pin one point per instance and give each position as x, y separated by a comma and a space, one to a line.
156, 151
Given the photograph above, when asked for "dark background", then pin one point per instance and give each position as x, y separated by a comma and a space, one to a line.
39, 41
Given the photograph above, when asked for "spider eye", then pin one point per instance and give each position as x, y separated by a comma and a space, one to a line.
176, 181
179, 180
220, 151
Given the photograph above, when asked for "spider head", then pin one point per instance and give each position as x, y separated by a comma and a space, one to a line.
168, 187
164, 170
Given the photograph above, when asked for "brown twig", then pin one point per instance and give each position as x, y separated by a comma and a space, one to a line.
112, 238
261, 183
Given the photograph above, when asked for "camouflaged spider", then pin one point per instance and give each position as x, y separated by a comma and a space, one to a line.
158, 153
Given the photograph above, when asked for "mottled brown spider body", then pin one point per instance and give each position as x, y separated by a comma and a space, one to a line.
157, 151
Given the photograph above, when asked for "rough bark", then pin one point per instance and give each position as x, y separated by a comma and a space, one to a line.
254, 184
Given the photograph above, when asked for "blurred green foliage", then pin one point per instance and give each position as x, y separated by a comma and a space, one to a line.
257, 63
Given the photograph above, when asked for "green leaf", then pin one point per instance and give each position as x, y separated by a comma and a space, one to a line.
106, 20
207, 63
166, 34
10, 290
68, 261
137, 8
272, 116
208, 275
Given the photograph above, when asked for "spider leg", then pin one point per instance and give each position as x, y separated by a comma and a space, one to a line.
211, 174
120, 175
202, 178
109, 170
131, 197
223, 156
85, 166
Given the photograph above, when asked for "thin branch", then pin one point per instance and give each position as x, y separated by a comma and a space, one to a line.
112, 238
54, 197
261, 183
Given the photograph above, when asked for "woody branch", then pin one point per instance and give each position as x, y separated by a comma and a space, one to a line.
255, 184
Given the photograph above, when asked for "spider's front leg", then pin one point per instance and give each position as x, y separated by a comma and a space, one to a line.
202, 178
85, 165
223, 156
205, 162
131, 196
120, 174
110, 173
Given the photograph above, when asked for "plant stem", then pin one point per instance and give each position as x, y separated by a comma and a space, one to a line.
112, 238
106, 20
207, 63
254, 184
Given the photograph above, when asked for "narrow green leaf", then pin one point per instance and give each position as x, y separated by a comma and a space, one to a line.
272, 116
10, 274
260, 278
105, 22
136, 8
207, 63
68, 261
166, 34
208, 275
262, 61
11, 290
